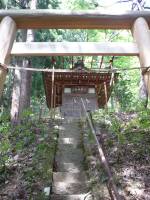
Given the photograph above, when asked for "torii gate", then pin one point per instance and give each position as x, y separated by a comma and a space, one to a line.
138, 22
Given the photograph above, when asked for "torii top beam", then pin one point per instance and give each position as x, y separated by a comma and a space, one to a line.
38, 19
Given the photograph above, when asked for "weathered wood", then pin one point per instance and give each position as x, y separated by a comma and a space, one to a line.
7, 35
93, 19
141, 35
52, 87
74, 48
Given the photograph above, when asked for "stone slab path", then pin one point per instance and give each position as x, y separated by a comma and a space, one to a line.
69, 177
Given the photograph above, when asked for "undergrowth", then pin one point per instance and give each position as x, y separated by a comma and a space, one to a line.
125, 125
125, 138
26, 158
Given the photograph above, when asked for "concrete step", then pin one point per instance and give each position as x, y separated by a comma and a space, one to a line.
68, 150
70, 128
68, 125
62, 188
69, 167
71, 122
62, 147
69, 177
67, 147
69, 180
70, 133
72, 197
69, 159
69, 140
69, 155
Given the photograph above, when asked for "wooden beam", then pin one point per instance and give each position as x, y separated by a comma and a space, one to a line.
74, 48
73, 19
7, 36
141, 35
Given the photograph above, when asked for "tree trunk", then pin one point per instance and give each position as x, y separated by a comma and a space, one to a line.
143, 94
22, 80
16, 94
26, 78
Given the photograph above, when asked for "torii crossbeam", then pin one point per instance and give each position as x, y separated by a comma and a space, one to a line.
65, 19
137, 21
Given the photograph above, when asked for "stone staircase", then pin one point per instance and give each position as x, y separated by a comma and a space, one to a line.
69, 177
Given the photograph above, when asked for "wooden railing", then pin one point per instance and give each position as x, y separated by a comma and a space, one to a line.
111, 184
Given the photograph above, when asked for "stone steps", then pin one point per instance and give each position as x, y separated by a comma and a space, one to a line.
69, 159
72, 197
69, 140
75, 145
69, 188
69, 167
69, 154
70, 134
69, 177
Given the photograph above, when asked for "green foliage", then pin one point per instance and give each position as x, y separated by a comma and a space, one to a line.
32, 144
126, 88
81, 4
129, 127
3, 4
12, 139
140, 121
5, 101
44, 4
107, 119
116, 128
26, 113
4, 139
122, 91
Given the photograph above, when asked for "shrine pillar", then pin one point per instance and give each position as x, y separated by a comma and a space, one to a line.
141, 35
7, 36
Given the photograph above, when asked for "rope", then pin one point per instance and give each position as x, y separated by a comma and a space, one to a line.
114, 70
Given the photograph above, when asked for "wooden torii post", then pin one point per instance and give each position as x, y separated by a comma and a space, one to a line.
141, 35
7, 36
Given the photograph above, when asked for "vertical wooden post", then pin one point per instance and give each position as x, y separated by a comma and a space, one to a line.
72, 61
54, 101
52, 91
92, 62
106, 94
101, 62
7, 36
140, 31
